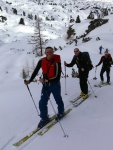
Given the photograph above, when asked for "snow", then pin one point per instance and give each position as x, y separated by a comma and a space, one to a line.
90, 125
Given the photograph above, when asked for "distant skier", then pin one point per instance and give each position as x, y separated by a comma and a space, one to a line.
100, 48
75, 42
107, 61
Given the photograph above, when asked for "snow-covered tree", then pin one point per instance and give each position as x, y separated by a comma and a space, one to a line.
70, 32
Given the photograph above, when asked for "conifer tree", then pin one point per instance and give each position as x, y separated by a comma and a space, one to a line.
70, 32
78, 19
21, 21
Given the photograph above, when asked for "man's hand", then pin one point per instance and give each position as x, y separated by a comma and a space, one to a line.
26, 82
82, 69
65, 63
42, 80
110, 62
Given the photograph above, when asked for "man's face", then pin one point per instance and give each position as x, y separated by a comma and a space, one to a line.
49, 53
106, 55
76, 51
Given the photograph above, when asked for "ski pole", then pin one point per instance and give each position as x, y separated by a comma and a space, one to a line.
33, 100
56, 114
95, 74
65, 81
91, 88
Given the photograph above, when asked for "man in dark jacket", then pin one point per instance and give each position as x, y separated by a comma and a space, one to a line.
83, 69
107, 61
51, 71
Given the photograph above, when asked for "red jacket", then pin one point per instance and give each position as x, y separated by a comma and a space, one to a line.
49, 67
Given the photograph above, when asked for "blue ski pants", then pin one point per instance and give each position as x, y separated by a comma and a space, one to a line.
47, 89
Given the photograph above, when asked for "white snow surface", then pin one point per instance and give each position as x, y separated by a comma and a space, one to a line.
88, 126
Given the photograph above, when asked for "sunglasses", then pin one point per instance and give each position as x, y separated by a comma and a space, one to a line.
75, 51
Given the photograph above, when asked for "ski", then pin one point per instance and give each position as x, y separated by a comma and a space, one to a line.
24, 139
80, 101
74, 100
101, 85
77, 98
43, 131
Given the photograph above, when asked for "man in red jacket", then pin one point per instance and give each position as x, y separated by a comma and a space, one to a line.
51, 71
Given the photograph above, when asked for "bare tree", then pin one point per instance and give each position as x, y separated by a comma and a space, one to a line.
38, 38
24, 74
25, 71
28, 69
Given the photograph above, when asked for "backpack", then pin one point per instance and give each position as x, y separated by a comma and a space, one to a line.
109, 57
56, 58
89, 62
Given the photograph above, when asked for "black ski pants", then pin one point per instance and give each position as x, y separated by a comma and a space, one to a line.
107, 69
83, 76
